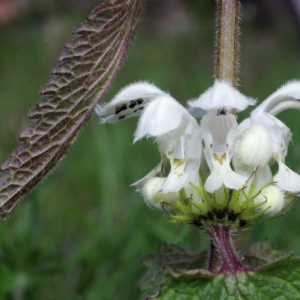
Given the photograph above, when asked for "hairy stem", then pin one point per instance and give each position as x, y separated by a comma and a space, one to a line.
227, 52
221, 237
223, 258
214, 260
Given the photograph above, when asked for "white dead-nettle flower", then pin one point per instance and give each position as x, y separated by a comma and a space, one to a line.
219, 130
265, 138
216, 155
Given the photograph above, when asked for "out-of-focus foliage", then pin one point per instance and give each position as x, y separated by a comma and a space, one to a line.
81, 233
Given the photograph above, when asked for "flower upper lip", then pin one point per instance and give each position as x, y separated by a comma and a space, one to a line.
222, 95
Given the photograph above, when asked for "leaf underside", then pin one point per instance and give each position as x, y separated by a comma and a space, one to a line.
85, 71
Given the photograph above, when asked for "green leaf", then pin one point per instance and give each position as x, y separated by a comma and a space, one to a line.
279, 280
84, 73
262, 253
172, 256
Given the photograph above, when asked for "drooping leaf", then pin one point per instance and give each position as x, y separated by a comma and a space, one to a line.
280, 280
86, 69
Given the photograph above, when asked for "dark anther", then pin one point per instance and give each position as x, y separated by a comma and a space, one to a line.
232, 216
140, 108
242, 223
197, 222
120, 108
139, 101
222, 112
210, 216
132, 103
220, 214
121, 118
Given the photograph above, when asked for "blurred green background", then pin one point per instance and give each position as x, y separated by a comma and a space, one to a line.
82, 232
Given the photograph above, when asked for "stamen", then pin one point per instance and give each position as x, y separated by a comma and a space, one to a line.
222, 112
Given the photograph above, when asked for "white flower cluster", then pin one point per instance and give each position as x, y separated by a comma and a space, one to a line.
216, 153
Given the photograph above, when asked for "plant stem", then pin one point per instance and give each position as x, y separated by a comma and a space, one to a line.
222, 253
221, 237
214, 258
227, 52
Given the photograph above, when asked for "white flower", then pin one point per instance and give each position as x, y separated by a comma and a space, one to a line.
176, 132
215, 156
270, 137
219, 130
178, 137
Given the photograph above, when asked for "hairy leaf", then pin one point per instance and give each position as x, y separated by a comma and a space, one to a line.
171, 256
262, 253
86, 69
279, 280
175, 273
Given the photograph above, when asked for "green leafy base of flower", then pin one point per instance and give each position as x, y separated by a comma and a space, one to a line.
228, 207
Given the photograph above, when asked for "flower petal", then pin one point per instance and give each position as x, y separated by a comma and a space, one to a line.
279, 133
283, 106
164, 115
177, 178
196, 112
223, 174
270, 197
129, 102
286, 179
290, 92
156, 171
193, 151
263, 176
252, 148
154, 197
184, 156
222, 95
218, 131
